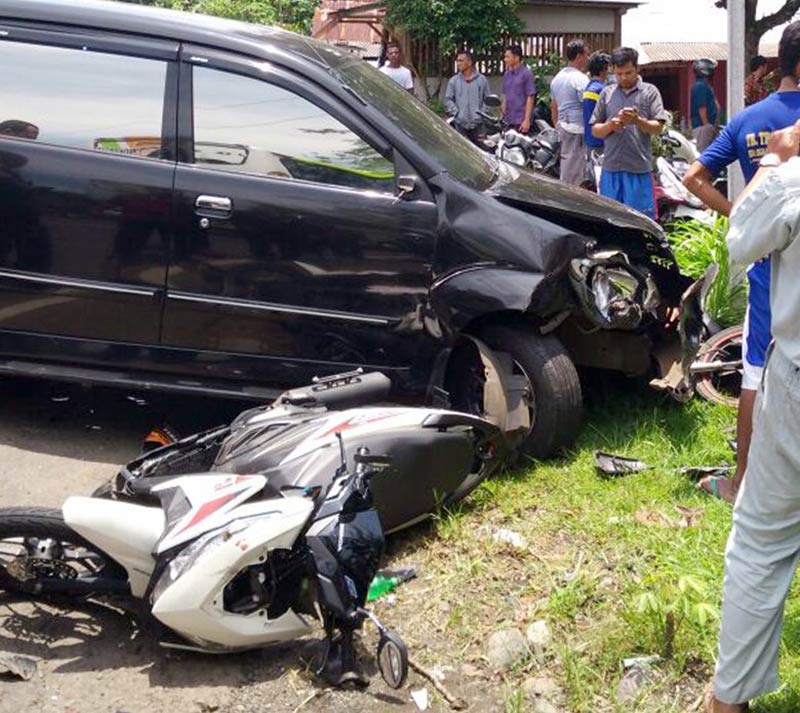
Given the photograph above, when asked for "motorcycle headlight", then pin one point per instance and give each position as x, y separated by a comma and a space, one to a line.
195, 552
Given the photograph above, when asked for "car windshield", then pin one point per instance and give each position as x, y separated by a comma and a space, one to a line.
459, 157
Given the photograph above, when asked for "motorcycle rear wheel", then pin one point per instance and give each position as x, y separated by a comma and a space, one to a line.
721, 387
41, 555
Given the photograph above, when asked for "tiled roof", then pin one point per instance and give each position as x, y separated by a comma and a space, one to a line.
664, 52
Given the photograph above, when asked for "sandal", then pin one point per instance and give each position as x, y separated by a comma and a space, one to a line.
710, 485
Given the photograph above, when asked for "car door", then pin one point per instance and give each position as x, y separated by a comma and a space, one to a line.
86, 170
292, 243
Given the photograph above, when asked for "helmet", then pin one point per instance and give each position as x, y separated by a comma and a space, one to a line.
704, 68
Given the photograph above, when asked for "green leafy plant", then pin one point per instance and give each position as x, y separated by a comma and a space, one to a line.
295, 15
697, 246
544, 73
670, 603
441, 27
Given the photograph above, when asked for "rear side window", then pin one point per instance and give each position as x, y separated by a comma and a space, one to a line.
250, 126
82, 99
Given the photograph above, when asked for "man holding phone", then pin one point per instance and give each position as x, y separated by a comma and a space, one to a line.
626, 116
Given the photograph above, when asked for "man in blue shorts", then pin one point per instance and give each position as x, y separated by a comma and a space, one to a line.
745, 138
627, 115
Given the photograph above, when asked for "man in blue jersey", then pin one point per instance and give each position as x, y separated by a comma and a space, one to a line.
746, 138
599, 63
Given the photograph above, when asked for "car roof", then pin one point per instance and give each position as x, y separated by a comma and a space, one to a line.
188, 27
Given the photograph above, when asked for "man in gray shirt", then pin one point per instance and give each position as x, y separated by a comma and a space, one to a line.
626, 116
465, 94
566, 105
764, 544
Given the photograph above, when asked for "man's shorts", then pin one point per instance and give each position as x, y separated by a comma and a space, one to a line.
757, 326
635, 190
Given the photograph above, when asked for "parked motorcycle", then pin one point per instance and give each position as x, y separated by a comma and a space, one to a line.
674, 201
287, 524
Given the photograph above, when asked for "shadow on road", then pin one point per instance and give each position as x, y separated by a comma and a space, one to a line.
98, 424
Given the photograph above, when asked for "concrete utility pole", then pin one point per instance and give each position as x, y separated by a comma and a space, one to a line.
736, 77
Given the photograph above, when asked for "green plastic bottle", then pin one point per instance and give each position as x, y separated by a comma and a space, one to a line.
387, 580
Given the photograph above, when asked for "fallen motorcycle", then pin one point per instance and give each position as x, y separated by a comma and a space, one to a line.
287, 525
438, 457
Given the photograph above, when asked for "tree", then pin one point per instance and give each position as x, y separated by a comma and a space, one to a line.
294, 15
757, 28
446, 26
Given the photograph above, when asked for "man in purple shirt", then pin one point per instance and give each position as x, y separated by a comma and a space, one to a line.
519, 91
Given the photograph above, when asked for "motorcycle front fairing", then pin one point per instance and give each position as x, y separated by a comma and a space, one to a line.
215, 532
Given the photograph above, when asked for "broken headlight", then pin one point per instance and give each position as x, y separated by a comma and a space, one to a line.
614, 293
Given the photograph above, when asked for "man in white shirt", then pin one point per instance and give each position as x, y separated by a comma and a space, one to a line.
566, 105
396, 71
764, 544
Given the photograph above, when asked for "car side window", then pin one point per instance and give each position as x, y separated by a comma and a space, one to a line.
248, 125
82, 99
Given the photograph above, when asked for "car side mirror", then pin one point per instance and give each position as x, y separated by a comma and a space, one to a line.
406, 186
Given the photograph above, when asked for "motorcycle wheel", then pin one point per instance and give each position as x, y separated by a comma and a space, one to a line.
41, 555
721, 387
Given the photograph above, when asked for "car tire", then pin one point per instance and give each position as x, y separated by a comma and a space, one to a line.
555, 383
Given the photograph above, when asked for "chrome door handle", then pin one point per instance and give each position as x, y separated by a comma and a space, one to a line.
215, 203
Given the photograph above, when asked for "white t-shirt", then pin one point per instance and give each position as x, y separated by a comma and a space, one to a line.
401, 75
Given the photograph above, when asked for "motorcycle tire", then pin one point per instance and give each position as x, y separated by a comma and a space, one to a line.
725, 388
64, 570
556, 397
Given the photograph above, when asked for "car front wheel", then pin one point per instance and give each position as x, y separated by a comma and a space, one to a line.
552, 394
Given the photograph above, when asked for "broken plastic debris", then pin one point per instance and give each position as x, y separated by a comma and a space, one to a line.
509, 537
639, 661
420, 698
610, 464
137, 400
23, 667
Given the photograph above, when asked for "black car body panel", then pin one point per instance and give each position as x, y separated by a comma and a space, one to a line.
186, 253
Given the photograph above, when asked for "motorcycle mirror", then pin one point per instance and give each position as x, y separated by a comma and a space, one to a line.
493, 101
392, 658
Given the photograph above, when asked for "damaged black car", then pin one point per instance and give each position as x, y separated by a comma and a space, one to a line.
199, 205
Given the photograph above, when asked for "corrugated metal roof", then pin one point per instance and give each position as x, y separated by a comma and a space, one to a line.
666, 52
612, 3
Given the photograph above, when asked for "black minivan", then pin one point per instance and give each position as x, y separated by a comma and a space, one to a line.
196, 204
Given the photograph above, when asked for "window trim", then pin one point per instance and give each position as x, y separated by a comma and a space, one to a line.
192, 57
134, 48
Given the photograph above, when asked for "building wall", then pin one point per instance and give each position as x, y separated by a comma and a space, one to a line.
548, 18
675, 81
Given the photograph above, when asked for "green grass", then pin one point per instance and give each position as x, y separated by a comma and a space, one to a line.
604, 581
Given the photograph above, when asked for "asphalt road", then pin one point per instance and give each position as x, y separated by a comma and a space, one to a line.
58, 440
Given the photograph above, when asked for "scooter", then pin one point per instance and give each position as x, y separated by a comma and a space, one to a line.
228, 560
438, 456
225, 562
674, 201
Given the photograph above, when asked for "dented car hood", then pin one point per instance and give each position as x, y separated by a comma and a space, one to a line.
549, 198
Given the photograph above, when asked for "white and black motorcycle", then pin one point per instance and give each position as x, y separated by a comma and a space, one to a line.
234, 558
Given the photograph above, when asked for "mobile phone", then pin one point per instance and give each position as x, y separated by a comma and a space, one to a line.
629, 110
